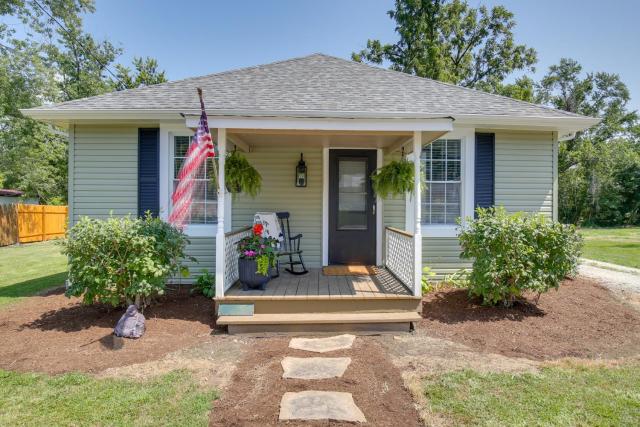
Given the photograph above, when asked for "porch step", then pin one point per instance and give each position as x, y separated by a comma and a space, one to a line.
319, 318
304, 323
325, 305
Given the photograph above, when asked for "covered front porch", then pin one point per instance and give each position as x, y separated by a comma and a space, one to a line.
389, 293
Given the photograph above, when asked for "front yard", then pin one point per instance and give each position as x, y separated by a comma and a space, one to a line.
29, 269
78, 399
614, 245
572, 359
569, 394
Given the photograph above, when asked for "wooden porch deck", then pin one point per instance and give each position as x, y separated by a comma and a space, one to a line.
316, 285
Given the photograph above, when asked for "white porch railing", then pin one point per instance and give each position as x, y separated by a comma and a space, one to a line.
399, 255
231, 240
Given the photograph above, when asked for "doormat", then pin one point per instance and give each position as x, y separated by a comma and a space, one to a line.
349, 270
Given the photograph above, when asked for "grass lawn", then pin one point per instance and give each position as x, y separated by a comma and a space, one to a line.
30, 268
615, 245
78, 399
560, 395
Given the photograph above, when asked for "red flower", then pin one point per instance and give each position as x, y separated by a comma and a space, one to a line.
257, 229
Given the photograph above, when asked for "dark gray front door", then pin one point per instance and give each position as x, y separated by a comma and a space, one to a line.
352, 210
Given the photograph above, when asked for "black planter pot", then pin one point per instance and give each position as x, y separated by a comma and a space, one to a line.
248, 276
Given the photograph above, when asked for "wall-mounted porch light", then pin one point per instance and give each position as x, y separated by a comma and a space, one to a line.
301, 173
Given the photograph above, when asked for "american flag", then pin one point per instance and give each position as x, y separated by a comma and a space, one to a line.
200, 149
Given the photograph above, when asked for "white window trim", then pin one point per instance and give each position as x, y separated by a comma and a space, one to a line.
467, 141
167, 132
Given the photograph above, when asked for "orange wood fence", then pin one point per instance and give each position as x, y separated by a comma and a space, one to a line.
37, 223
8, 225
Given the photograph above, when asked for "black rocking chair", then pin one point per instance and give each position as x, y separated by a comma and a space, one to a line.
290, 246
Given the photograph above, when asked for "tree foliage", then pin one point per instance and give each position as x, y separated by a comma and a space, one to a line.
599, 169
452, 42
52, 60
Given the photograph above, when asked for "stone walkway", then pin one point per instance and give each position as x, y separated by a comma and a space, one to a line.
315, 404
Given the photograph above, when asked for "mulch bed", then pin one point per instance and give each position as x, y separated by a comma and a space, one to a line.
581, 319
253, 398
52, 333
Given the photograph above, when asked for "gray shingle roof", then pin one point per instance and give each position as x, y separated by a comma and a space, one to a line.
315, 83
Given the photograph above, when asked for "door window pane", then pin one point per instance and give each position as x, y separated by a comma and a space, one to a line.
352, 194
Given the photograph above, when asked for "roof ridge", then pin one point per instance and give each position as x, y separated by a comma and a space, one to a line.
396, 72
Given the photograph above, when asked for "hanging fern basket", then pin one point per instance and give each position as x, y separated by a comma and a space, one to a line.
240, 176
394, 179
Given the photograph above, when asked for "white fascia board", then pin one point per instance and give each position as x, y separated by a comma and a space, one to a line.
566, 124
388, 125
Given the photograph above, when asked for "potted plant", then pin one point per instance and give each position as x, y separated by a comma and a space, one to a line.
240, 176
393, 179
257, 256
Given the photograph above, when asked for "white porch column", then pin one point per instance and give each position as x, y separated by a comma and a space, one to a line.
222, 190
417, 205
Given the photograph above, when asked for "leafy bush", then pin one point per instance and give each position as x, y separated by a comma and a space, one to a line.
122, 260
205, 285
427, 280
517, 253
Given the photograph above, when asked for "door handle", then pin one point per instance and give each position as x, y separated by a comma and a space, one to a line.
374, 209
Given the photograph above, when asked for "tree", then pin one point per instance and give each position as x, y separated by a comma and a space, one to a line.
452, 42
599, 170
146, 74
54, 61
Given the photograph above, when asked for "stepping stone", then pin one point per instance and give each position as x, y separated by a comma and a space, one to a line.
320, 405
323, 345
314, 368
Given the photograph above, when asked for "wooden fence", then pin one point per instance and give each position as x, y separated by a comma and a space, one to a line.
31, 223
8, 225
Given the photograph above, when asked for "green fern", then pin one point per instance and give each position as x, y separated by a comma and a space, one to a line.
241, 176
394, 179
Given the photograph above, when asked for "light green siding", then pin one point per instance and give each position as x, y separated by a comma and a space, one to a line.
524, 171
442, 255
105, 171
394, 208
204, 250
105, 180
277, 165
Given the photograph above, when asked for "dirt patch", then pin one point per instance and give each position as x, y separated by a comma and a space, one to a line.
253, 398
581, 319
54, 334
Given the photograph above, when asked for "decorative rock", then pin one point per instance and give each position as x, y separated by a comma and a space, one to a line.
131, 324
323, 345
314, 368
320, 405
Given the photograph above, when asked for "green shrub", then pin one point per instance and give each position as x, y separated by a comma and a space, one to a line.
122, 260
205, 285
517, 253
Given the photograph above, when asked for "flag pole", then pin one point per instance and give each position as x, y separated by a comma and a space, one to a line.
213, 161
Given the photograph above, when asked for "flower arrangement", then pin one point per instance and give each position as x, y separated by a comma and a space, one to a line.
261, 249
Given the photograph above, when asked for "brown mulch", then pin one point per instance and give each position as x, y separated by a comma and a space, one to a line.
581, 319
253, 398
52, 333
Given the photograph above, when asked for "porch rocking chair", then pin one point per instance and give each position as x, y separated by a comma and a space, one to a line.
290, 246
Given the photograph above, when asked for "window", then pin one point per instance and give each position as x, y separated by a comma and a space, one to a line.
441, 162
204, 208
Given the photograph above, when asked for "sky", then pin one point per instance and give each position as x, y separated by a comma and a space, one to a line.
191, 38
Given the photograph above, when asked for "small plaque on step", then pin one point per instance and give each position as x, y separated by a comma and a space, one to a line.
235, 310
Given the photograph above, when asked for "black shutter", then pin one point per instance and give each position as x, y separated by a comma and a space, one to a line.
484, 170
148, 171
